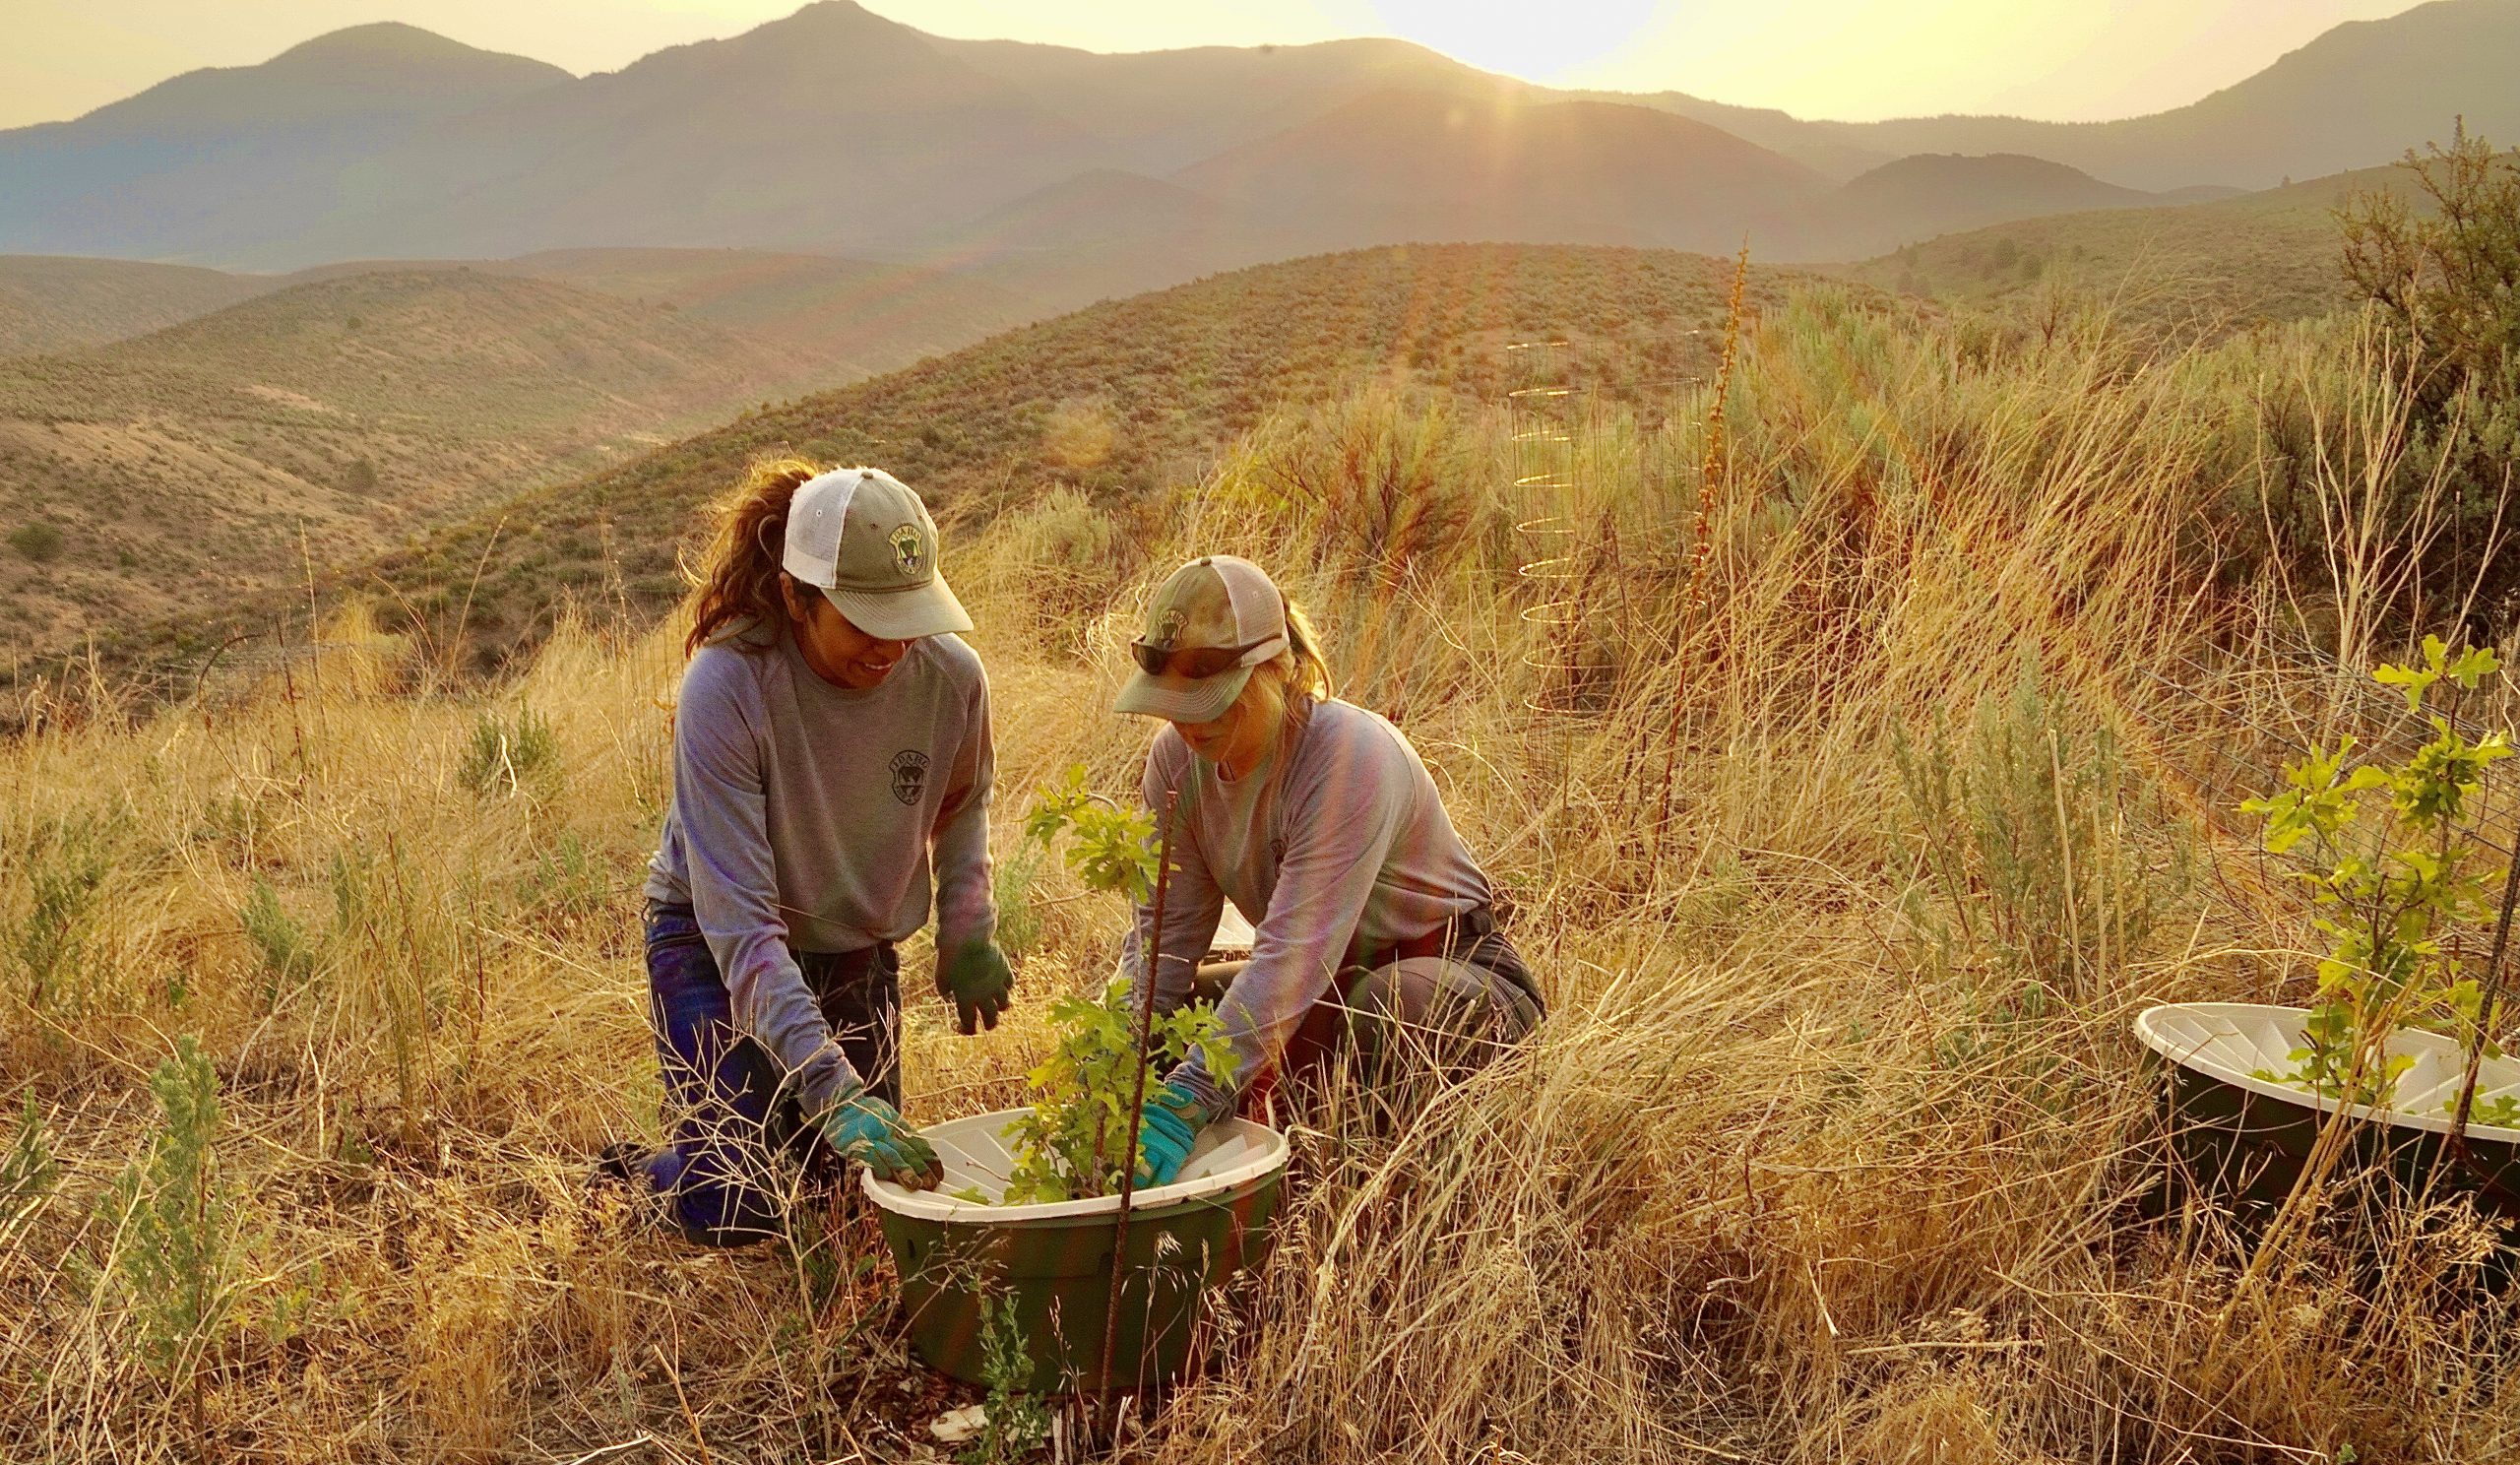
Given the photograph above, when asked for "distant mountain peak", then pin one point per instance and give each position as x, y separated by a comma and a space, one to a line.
2012, 166
387, 41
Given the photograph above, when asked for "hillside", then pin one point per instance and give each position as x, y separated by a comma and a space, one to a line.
864, 317
208, 165
352, 411
55, 302
2197, 267
847, 317
1918, 198
1410, 166
1160, 111
2357, 96
1114, 402
1107, 233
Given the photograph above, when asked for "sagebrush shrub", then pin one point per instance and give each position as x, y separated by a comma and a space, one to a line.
511, 755
176, 1249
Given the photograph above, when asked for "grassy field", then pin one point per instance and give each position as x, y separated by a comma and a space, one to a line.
1847, 835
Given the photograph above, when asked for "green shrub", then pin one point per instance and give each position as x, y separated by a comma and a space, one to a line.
288, 953
567, 884
1018, 925
2024, 832
2441, 277
176, 1251
1016, 1426
66, 865
512, 755
37, 543
26, 1172
1072, 1141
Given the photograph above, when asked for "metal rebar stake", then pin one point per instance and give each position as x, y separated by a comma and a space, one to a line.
1137, 1101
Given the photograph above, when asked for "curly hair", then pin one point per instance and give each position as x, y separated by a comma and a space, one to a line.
734, 595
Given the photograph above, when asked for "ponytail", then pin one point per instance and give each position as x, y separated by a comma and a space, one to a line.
734, 595
1284, 688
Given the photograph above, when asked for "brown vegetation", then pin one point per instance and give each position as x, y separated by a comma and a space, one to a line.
1833, 1147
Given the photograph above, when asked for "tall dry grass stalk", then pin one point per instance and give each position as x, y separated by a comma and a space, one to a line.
1807, 1164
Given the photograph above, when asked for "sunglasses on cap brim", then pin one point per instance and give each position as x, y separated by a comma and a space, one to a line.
1197, 662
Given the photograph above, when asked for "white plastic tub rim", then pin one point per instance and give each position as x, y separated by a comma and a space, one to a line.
2231, 1042
977, 1154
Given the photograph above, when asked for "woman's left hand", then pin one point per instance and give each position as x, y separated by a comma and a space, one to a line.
978, 979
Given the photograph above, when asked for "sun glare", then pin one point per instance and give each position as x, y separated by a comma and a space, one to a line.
1540, 42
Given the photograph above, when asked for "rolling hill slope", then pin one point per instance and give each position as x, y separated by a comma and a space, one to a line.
1918, 198
2200, 269
58, 303
846, 317
180, 469
1107, 233
1113, 402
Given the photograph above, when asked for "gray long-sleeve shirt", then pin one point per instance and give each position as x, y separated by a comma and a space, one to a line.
805, 816
1340, 834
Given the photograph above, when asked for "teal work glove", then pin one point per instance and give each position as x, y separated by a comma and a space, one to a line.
865, 1128
1168, 1126
976, 978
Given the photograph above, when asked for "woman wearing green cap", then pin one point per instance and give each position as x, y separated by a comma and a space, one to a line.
1375, 927
832, 761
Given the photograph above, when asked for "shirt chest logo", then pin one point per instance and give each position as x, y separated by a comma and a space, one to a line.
909, 776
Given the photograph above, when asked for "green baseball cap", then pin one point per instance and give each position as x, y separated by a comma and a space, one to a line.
1209, 624
861, 538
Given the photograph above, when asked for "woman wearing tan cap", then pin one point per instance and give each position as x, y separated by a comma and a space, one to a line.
1374, 923
832, 761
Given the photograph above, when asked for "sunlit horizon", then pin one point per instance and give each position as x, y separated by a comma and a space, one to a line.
1849, 60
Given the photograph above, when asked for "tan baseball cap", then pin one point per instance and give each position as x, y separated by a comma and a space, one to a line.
861, 538
1215, 619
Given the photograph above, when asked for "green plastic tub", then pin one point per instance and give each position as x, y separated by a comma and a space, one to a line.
2246, 1139
1054, 1261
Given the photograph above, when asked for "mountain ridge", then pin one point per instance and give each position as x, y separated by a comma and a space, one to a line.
837, 130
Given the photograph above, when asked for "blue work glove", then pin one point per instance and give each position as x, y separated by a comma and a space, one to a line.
1168, 1126
976, 978
865, 1128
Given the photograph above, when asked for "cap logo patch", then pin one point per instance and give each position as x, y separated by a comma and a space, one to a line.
910, 775
909, 552
1168, 626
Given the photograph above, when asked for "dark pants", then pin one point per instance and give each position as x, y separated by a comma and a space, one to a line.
1401, 1018
729, 1112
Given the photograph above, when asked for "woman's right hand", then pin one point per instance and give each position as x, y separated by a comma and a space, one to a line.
1168, 1130
866, 1128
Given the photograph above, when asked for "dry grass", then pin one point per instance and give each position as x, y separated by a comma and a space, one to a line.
1815, 1159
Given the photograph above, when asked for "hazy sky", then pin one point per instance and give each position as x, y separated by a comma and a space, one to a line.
2065, 59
